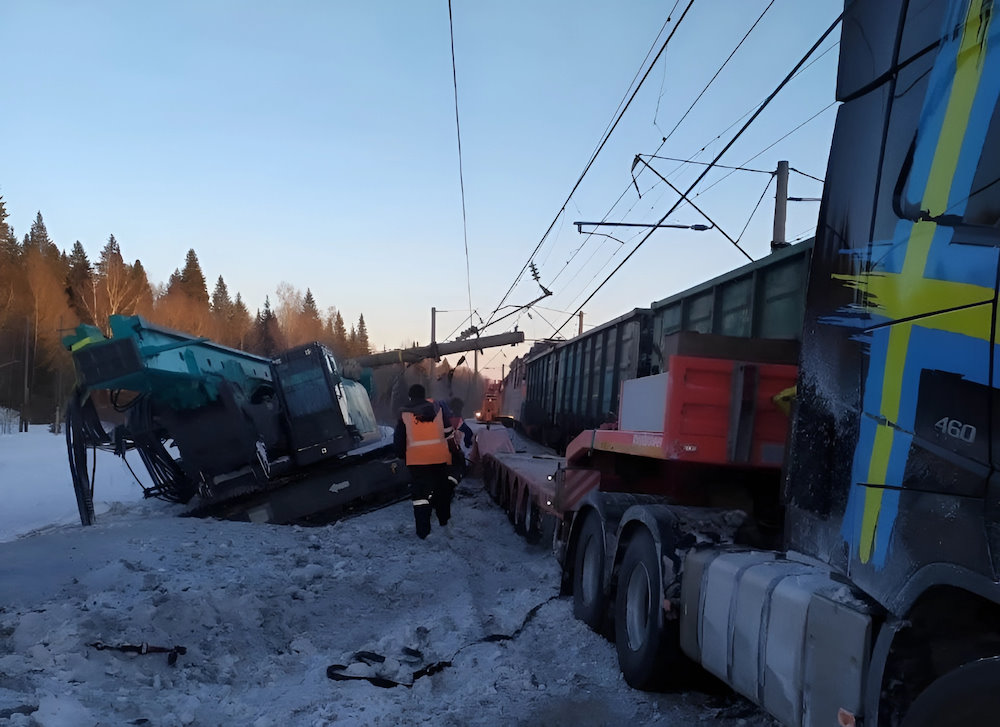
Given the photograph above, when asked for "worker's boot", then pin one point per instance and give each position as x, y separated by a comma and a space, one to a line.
422, 517
442, 500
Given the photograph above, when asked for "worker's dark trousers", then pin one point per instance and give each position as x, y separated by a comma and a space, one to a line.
430, 490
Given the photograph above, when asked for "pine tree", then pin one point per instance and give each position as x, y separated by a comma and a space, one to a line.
309, 309
362, 344
267, 338
144, 291
339, 336
221, 311
310, 323
80, 284
222, 304
193, 280
8, 241
11, 268
3, 218
38, 238
110, 252
185, 305
240, 325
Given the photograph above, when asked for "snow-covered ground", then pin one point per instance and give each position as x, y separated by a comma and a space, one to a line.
262, 611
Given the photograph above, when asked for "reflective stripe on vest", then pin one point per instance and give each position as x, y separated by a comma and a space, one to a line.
425, 441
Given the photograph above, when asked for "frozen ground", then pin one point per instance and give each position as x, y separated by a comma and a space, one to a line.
263, 610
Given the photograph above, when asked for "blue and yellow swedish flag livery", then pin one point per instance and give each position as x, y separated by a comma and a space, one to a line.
892, 476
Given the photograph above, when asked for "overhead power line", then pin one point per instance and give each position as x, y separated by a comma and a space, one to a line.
755, 208
593, 157
712, 79
771, 146
749, 111
461, 175
643, 64
718, 156
717, 166
797, 171
662, 143
685, 198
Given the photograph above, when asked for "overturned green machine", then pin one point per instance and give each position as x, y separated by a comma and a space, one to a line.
274, 440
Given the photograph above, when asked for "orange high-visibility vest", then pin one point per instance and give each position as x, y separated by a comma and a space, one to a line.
425, 441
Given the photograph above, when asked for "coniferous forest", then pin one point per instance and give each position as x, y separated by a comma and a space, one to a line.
46, 291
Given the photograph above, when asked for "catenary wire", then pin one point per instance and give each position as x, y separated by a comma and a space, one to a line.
461, 175
717, 72
797, 171
747, 113
755, 208
665, 138
770, 146
593, 157
717, 166
726, 148
643, 64
579, 249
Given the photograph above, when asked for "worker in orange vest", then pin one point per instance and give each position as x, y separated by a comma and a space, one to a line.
420, 438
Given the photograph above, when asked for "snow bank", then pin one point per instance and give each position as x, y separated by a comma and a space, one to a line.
37, 489
263, 610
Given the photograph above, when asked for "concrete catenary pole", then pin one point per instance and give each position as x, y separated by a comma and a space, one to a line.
780, 206
430, 390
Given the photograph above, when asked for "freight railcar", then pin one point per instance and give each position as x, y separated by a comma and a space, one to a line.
574, 385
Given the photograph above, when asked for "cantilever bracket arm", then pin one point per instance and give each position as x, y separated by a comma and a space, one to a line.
696, 228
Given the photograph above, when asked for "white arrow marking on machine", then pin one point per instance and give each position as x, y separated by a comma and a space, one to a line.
338, 486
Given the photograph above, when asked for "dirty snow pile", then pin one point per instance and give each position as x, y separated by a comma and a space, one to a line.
465, 628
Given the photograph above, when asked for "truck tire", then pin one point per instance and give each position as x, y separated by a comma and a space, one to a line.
647, 644
589, 601
521, 513
532, 524
966, 696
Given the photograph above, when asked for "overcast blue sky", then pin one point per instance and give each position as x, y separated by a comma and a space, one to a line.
314, 143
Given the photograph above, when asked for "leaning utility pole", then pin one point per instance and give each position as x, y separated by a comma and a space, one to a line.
419, 353
433, 342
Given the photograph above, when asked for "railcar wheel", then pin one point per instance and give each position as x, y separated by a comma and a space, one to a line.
965, 696
589, 600
647, 644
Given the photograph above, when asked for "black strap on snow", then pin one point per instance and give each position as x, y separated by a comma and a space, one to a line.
412, 656
336, 672
408, 656
172, 652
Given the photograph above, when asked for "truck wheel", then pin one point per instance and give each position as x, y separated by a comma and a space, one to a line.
646, 643
965, 696
521, 513
589, 602
510, 502
532, 521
